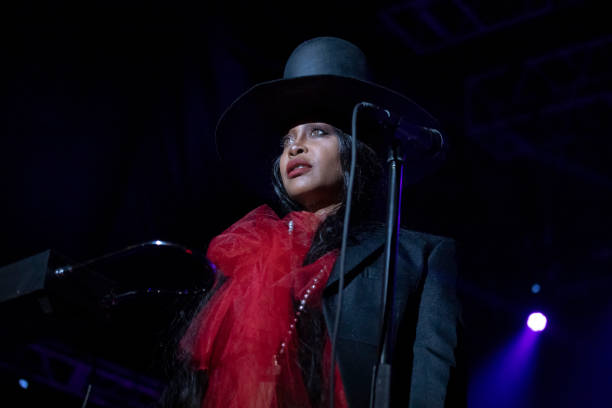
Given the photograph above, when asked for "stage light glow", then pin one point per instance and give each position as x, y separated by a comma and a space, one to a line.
536, 288
24, 383
536, 321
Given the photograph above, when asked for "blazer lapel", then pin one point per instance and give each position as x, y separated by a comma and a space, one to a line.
355, 358
358, 249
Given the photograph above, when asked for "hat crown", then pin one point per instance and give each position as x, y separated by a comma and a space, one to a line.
327, 56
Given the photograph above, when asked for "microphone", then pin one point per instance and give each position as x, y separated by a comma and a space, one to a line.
416, 141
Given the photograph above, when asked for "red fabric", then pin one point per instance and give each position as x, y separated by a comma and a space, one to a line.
240, 332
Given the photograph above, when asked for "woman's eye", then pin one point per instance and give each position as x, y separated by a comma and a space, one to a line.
286, 141
318, 132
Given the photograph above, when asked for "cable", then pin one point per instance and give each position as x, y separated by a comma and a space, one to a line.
86, 396
345, 228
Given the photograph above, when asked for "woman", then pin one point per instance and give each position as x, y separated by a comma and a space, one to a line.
262, 338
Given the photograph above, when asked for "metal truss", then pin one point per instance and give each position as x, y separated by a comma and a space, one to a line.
546, 108
427, 26
554, 111
111, 384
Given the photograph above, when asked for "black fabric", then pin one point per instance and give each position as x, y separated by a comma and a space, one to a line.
428, 312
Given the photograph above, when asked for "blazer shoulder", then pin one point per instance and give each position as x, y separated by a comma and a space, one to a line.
367, 240
423, 239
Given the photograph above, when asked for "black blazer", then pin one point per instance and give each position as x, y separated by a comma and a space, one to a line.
428, 365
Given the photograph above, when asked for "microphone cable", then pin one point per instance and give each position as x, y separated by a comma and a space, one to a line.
345, 227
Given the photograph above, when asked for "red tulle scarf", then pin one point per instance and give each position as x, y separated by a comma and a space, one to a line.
245, 337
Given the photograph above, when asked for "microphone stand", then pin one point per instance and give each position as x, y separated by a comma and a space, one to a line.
380, 392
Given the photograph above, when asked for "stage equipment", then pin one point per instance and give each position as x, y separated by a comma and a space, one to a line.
121, 306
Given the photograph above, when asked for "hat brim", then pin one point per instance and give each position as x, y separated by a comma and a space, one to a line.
248, 134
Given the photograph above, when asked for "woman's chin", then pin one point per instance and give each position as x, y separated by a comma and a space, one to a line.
315, 203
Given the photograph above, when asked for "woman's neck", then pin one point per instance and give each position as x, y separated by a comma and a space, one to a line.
322, 213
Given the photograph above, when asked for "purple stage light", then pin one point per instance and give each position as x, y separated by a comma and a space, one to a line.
536, 321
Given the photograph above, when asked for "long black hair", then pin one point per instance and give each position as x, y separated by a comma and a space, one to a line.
186, 387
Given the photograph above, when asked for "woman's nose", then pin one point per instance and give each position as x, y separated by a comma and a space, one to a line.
297, 147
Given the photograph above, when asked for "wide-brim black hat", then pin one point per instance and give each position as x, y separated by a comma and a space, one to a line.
324, 78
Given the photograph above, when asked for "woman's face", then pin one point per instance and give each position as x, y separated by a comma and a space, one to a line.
310, 166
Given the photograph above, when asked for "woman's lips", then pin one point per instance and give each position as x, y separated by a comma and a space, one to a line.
298, 171
297, 166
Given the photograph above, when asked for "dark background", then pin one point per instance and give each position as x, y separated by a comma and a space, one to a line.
108, 118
